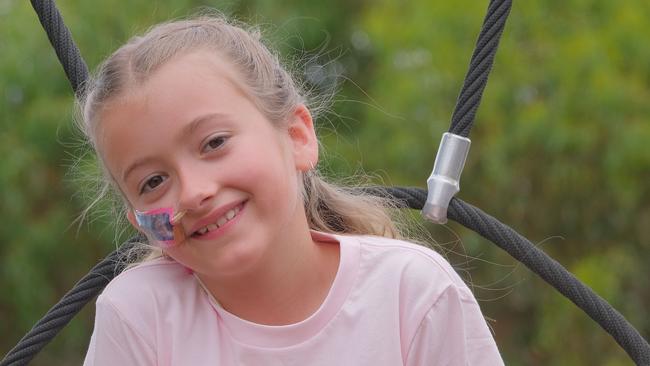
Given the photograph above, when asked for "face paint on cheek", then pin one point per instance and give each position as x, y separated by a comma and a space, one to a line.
161, 226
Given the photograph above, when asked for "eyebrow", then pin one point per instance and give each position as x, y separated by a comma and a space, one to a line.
135, 165
187, 131
200, 120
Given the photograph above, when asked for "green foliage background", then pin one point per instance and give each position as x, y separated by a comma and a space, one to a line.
560, 148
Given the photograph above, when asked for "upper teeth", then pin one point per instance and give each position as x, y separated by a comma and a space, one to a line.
220, 221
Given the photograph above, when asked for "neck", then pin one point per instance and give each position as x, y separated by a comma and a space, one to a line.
288, 286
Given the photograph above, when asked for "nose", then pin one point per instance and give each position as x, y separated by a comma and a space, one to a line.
197, 189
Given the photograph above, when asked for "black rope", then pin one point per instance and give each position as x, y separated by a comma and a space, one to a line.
73, 64
462, 119
60, 314
556, 275
471, 217
479, 67
541, 264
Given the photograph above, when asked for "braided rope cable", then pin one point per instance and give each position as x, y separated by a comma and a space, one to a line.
59, 35
480, 66
520, 248
541, 264
469, 216
556, 275
70, 304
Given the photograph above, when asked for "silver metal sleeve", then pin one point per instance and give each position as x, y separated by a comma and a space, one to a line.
444, 181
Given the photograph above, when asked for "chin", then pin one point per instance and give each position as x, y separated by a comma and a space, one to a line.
234, 262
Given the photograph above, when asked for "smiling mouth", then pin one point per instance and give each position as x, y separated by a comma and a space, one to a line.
221, 221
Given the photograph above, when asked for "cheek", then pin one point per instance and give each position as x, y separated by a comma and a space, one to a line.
270, 176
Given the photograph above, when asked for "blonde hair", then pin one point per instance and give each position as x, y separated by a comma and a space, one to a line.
329, 208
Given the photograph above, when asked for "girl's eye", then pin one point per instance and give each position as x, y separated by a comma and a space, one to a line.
214, 143
152, 183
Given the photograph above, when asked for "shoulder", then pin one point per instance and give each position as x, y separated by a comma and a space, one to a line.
128, 313
410, 280
153, 284
414, 261
413, 275
158, 275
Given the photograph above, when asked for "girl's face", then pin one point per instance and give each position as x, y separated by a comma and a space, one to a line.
190, 138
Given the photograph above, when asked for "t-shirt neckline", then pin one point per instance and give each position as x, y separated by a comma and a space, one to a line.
268, 336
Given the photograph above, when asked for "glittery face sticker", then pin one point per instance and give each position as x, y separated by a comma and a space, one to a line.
159, 226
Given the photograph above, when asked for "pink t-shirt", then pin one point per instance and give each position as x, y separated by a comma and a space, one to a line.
391, 303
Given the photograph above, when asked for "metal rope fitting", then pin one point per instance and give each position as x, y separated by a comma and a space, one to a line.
444, 181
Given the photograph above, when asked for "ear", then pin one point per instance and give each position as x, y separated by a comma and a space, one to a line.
303, 139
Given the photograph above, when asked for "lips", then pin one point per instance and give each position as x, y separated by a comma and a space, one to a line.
217, 219
220, 222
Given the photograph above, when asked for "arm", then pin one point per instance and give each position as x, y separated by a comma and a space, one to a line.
453, 332
115, 341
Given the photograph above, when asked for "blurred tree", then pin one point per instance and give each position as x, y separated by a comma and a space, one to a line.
559, 147
557, 151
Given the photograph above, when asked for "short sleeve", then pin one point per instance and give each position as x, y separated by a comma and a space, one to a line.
115, 342
453, 332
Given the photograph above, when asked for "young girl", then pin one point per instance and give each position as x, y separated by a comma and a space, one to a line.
269, 264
